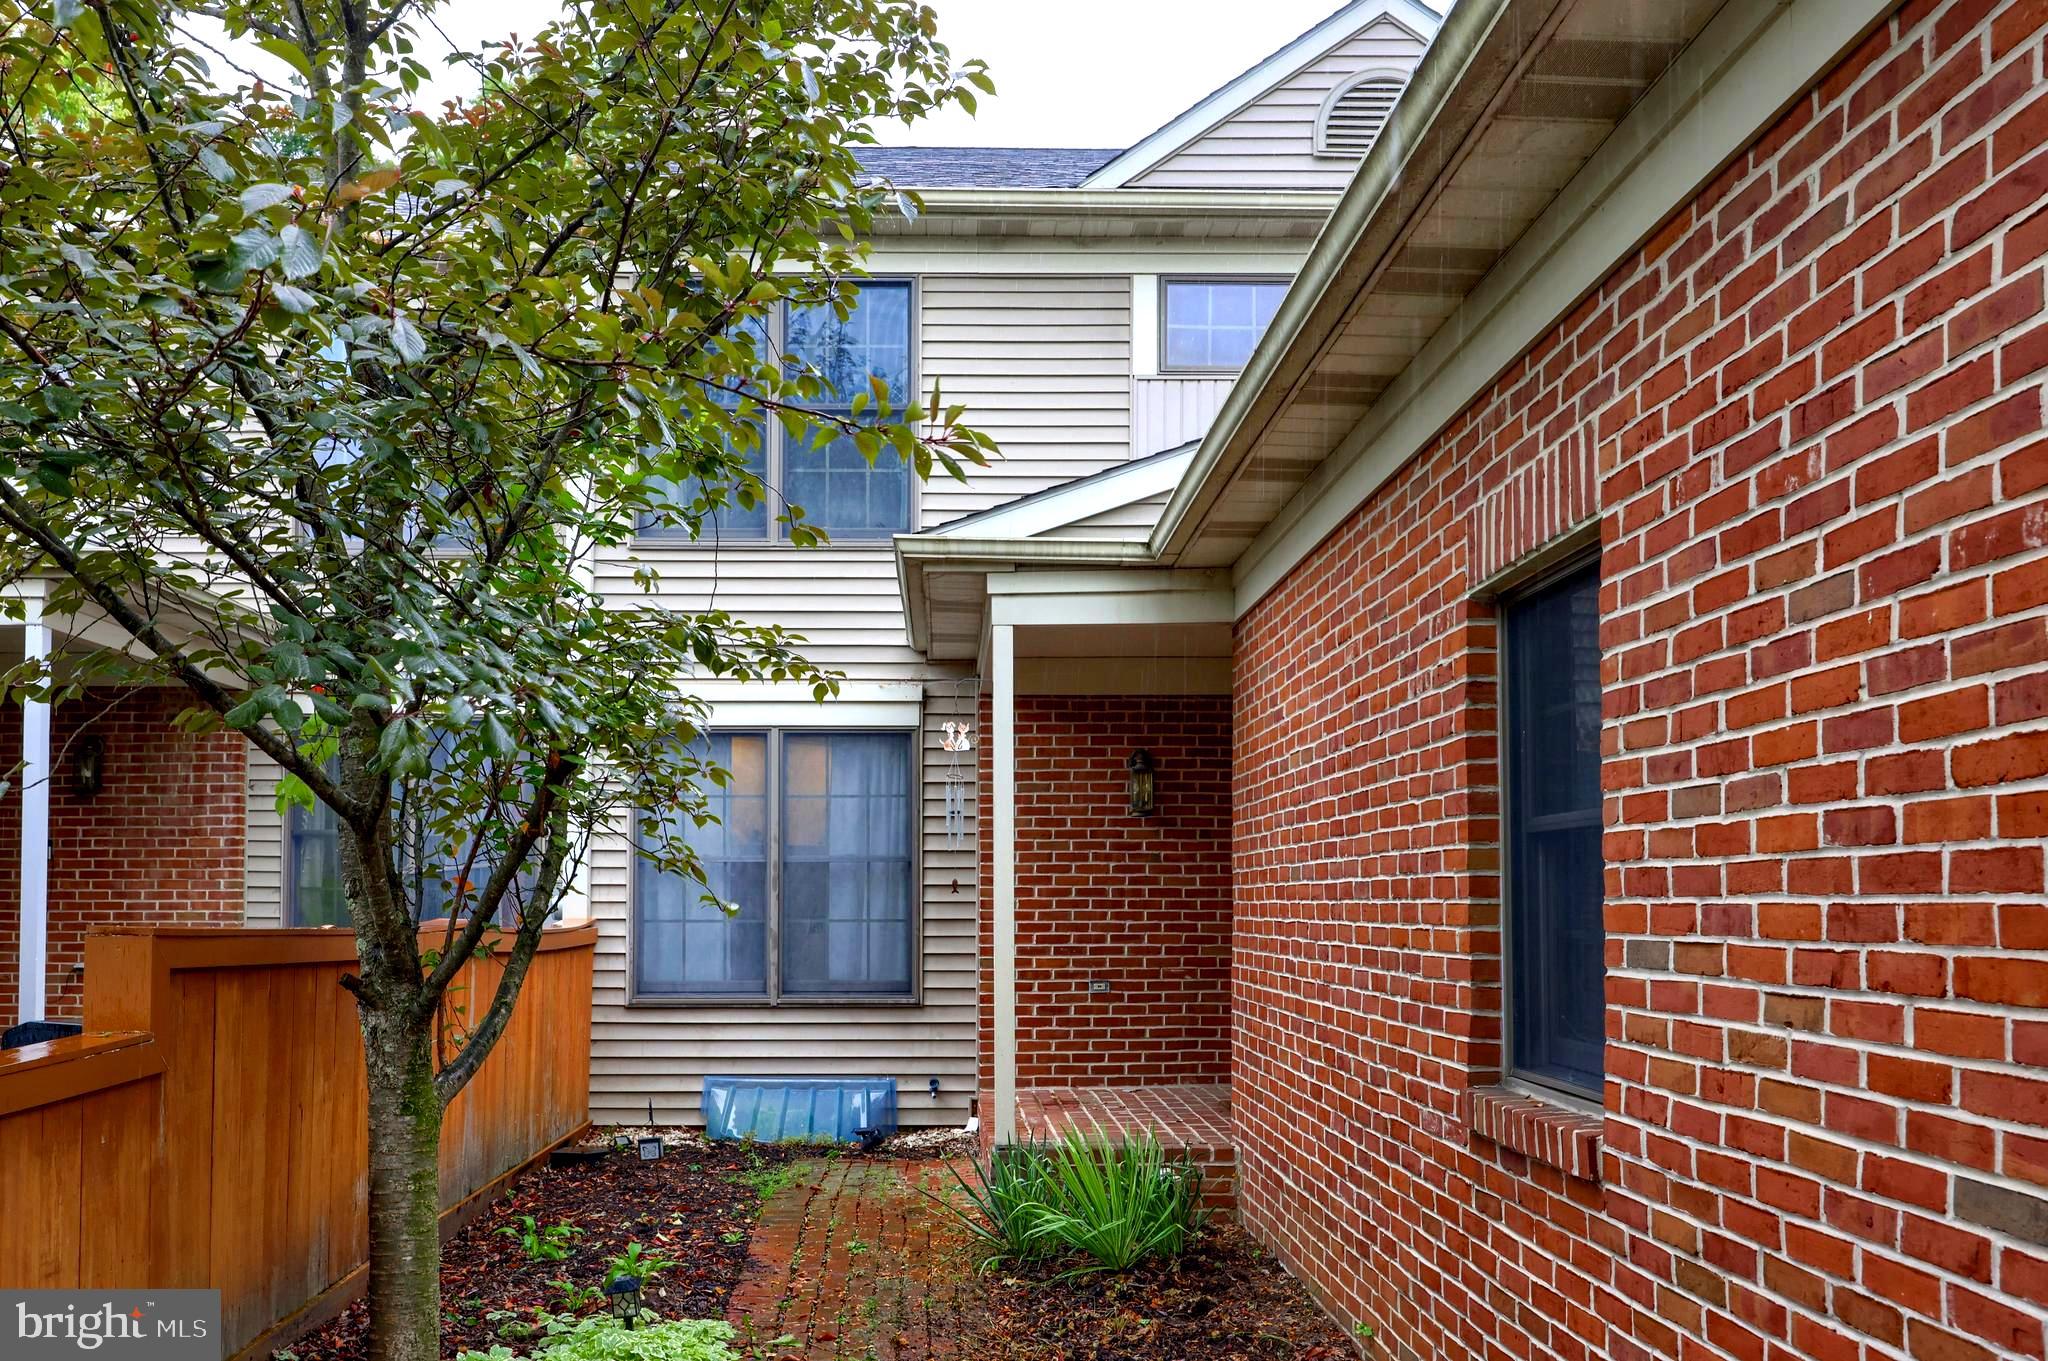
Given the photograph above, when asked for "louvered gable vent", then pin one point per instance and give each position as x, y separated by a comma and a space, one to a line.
1353, 121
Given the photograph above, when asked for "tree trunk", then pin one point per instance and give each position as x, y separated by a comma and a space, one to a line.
405, 1189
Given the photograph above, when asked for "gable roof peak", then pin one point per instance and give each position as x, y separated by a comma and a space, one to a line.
1420, 19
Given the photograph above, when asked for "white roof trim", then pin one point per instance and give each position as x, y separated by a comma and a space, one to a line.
1078, 500
1412, 15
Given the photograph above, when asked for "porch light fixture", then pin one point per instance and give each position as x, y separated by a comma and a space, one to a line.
1141, 785
89, 766
622, 1297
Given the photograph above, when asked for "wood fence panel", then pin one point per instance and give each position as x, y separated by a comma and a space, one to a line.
213, 1133
78, 1142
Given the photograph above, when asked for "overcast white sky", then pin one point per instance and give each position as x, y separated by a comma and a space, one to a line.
1084, 73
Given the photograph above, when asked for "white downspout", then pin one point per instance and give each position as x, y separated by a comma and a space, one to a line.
1003, 965
32, 977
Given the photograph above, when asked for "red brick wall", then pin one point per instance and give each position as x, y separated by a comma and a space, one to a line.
1140, 903
162, 842
1807, 416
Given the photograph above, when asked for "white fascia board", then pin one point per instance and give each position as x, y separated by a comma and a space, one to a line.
1110, 598
1416, 18
1078, 500
1750, 63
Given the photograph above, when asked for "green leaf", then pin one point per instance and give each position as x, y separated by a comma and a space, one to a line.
257, 197
407, 340
289, 54
299, 252
297, 301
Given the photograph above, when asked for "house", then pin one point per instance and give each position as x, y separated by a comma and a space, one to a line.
1626, 553
1090, 308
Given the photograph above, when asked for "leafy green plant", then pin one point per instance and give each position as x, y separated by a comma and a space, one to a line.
576, 1298
1120, 1203
520, 1326
1114, 1203
642, 1265
604, 1338
550, 1243
767, 1179
1004, 1188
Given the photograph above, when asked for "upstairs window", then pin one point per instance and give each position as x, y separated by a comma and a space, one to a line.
1556, 938
837, 488
1213, 325
1356, 114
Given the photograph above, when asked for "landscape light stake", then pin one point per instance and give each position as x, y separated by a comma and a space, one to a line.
622, 1293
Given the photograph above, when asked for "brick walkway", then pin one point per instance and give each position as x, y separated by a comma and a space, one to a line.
852, 1262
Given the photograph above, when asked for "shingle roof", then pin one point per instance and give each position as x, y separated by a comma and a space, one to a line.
940, 167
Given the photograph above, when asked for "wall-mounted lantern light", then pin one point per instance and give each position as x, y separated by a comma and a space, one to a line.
88, 765
1141, 784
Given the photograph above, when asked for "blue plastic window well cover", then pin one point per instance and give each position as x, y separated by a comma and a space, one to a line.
771, 1109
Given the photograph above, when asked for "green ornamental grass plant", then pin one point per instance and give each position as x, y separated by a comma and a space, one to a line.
1113, 1204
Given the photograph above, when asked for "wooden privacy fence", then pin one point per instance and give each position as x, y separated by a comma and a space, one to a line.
210, 1129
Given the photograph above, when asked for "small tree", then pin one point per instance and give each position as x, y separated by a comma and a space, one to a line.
359, 390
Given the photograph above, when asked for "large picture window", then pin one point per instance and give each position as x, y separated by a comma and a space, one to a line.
837, 488
1556, 938
1213, 325
811, 851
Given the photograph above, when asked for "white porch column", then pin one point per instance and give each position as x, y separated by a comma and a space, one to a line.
1003, 794
33, 974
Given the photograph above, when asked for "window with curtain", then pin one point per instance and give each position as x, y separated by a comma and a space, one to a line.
1215, 324
835, 485
812, 851
312, 871
1556, 938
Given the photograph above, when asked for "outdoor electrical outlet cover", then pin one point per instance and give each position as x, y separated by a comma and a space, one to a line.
1098, 985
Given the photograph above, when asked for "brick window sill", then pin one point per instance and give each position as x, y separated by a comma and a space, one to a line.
1546, 1132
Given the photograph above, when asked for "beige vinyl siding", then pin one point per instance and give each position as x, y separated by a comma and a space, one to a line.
1167, 412
843, 600
1270, 142
1043, 364
663, 1052
262, 845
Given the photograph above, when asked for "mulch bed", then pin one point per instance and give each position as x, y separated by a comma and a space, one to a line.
1225, 1300
694, 1205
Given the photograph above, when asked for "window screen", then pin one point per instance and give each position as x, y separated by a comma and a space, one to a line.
1216, 323
1556, 937
846, 863
687, 945
838, 489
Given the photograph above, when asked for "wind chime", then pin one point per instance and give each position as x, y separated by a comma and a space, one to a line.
958, 743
